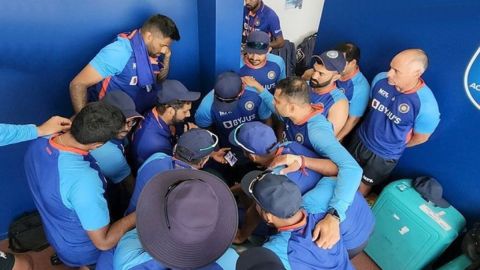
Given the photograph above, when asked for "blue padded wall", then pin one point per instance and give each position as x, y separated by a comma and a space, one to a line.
448, 31
46, 43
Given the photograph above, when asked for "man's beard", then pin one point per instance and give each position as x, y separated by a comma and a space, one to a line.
315, 84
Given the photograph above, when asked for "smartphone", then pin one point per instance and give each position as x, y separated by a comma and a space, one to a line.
230, 158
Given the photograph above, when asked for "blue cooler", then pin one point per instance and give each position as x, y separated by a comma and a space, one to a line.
410, 232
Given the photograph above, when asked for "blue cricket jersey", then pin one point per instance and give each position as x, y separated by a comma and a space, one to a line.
152, 135
359, 220
111, 160
248, 108
357, 90
295, 248
265, 20
316, 133
117, 65
67, 189
394, 116
130, 255
327, 100
272, 71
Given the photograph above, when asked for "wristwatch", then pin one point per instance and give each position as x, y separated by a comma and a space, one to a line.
332, 211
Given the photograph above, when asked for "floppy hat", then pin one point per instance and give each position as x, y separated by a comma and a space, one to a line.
186, 218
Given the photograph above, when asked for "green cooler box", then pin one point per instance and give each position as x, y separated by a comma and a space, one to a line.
410, 232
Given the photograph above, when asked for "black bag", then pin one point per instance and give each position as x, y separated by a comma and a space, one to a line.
304, 54
26, 233
471, 246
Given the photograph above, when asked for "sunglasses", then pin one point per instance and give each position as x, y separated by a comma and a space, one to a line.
257, 45
257, 179
230, 100
169, 190
235, 131
132, 123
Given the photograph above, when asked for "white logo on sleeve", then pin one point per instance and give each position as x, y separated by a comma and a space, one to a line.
249, 105
404, 108
134, 80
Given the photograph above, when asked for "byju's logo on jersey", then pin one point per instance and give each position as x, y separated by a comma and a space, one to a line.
471, 79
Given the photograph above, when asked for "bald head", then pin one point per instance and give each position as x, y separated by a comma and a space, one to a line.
415, 59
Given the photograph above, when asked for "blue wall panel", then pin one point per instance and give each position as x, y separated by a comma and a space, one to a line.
45, 43
448, 31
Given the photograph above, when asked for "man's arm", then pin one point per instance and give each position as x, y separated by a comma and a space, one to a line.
417, 139
203, 115
294, 163
162, 75
107, 237
338, 115
278, 42
78, 86
352, 121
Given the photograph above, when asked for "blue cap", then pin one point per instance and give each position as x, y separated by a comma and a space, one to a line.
257, 42
332, 60
431, 190
173, 91
274, 193
254, 137
227, 91
195, 144
123, 102
259, 258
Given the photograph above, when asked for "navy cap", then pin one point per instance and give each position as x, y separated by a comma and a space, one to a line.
227, 90
431, 190
186, 219
259, 258
195, 144
274, 193
257, 42
173, 91
332, 60
254, 137
123, 102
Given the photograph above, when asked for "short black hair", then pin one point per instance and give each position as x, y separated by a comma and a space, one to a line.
97, 122
352, 52
176, 105
295, 89
164, 24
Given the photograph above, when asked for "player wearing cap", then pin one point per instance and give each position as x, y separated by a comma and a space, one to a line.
259, 63
111, 156
279, 202
134, 63
186, 220
402, 113
228, 105
327, 70
259, 258
259, 17
154, 132
192, 151
68, 188
355, 87
306, 125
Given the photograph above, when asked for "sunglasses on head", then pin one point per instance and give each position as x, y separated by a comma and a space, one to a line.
257, 45
230, 100
257, 179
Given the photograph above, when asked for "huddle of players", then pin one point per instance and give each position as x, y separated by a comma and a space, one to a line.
308, 189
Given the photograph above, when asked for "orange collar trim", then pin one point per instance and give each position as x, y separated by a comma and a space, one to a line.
318, 108
66, 148
416, 88
299, 224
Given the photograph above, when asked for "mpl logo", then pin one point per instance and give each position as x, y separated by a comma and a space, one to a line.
471, 79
